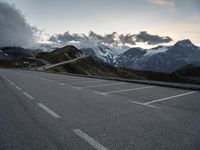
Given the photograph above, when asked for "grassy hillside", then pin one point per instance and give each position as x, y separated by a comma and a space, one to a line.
20, 63
96, 67
90, 66
189, 71
61, 54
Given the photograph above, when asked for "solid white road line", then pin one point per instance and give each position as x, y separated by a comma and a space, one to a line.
75, 87
93, 81
89, 139
100, 93
17, 87
171, 97
143, 104
134, 89
27, 95
92, 86
12, 83
51, 112
63, 84
50, 81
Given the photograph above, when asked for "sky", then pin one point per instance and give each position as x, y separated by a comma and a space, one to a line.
177, 19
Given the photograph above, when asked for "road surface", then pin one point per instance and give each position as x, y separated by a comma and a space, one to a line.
43, 111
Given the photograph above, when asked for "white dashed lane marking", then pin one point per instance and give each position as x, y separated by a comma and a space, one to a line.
49, 111
12, 83
89, 140
17, 87
62, 84
29, 96
75, 87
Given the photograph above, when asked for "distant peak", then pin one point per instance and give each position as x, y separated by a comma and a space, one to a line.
184, 42
69, 46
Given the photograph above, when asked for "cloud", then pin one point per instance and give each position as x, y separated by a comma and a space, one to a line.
127, 39
93, 38
107, 38
112, 39
165, 3
66, 37
151, 39
14, 30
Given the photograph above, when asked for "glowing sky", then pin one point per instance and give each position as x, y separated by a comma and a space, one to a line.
178, 19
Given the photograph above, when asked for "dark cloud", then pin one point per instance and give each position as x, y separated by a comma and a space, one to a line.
107, 38
66, 37
14, 29
151, 39
127, 39
110, 39
95, 36
92, 37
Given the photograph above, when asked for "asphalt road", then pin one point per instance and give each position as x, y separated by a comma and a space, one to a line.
43, 111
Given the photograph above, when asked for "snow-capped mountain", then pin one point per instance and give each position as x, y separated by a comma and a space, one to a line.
159, 59
163, 59
102, 52
129, 57
158, 49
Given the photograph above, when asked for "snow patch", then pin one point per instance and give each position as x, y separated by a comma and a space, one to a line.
154, 51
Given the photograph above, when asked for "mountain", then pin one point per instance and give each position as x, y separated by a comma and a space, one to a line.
61, 54
96, 67
129, 57
18, 52
14, 57
163, 59
103, 52
159, 59
89, 65
155, 50
4, 56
